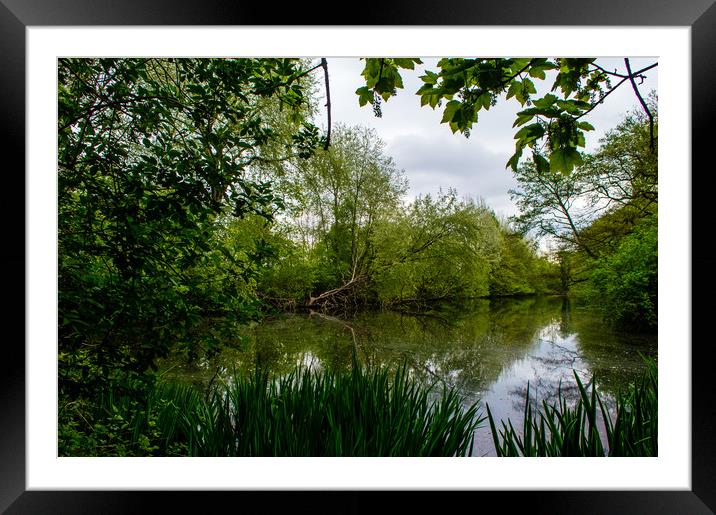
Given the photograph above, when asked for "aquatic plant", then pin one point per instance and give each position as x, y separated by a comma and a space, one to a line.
359, 413
313, 413
560, 429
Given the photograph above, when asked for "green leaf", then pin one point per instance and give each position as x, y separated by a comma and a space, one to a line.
486, 100
430, 77
529, 86
523, 118
564, 160
450, 110
514, 161
545, 101
537, 73
573, 107
431, 96
580, 139
514, 88
530, 133
407, 63
541, 163
518, 64
365, 95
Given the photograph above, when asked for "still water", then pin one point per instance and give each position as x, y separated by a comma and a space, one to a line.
489, 349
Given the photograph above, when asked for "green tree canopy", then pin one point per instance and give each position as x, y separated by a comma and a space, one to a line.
151, 153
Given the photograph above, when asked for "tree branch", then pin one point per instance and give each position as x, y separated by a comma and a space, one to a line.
607, 72
643, 105
324, 64
601, 99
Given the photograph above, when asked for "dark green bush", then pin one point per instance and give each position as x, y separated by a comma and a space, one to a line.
625, 283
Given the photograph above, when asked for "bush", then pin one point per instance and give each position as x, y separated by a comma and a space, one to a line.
625, 283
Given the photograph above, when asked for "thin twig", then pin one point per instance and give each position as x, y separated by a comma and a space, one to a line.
601, 99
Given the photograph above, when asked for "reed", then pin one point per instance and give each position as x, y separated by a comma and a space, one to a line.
313, 413
560, 429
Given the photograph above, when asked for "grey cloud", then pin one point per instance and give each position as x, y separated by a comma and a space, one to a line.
433, 161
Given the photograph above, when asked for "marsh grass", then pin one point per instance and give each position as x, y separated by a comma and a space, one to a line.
360, 413
560, 429
311, 413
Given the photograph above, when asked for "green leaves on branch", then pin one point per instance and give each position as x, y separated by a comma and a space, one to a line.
558, 117
468, 86
570, 77
382, 79
307, 140
458, 115
382, 74
521, 90
564, 136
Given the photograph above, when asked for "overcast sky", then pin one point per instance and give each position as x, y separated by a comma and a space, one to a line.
433, 157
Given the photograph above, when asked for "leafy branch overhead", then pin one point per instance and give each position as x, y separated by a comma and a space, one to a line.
382, 80
550, 126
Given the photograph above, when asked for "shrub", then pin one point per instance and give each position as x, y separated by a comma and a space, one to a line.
625, 283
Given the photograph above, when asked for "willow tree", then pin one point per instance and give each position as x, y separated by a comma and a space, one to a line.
437, 249
339, 195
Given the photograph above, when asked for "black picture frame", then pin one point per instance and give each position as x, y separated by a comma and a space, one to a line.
700, 15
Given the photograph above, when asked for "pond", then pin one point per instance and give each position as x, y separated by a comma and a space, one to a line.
489, 349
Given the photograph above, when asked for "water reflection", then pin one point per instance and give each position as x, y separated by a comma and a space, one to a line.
547, 368
490, 350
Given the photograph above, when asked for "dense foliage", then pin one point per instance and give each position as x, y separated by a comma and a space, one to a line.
151, 153
350, 236
626, 281
603, 219
585, 202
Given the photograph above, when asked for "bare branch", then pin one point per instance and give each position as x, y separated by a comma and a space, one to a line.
643, 105
324, 64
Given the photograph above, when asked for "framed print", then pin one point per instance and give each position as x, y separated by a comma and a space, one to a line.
39, 37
